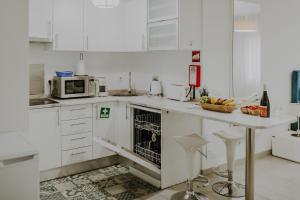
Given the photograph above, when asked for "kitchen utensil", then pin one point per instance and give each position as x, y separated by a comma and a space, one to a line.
155, 88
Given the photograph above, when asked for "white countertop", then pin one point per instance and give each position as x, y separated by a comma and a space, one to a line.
189, 108
13, 145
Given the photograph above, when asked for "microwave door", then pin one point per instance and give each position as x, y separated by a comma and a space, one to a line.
75, 88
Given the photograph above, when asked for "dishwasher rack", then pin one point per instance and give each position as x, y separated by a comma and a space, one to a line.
147, 134
148, 122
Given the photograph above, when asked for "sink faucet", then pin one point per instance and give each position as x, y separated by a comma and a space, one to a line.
129, 86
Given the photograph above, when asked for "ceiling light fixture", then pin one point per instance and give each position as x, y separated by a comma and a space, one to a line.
106, 3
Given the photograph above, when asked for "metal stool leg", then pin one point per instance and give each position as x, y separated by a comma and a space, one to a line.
230, 188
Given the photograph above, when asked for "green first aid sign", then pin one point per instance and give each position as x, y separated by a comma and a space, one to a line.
104, 113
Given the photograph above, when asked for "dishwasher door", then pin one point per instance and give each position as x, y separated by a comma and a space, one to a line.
19, 178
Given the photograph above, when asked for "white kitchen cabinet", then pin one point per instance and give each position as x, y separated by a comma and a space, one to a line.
104, 127
174, 24
44, 135
124, 136
134, 25
159, 10
40, 20
123, 28
163, 35
76, 155
68, 25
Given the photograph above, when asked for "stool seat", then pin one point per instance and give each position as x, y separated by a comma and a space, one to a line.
229, 135
191, 143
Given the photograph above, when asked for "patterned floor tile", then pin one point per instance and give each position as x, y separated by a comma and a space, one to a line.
46, 189
125, 196
117, 189
106, 183
88, 188
55, 196
111, 183
65, 186
97, 177
72, 193
123, 178
81, 182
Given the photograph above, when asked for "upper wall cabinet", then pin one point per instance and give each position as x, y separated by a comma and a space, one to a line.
174, 24
122, 28
68, 25
162, 10
40, 20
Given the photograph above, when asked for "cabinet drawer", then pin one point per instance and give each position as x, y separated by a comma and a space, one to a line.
76, 112
76, 155
76, 126
76, 141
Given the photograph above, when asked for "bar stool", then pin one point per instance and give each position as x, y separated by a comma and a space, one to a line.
191, 144
229, 188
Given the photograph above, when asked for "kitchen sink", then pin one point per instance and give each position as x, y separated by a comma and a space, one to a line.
41, 101
125, 93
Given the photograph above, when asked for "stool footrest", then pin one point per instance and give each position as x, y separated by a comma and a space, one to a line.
229, 189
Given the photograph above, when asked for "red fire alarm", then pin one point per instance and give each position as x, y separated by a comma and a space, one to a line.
196, 56
195, 75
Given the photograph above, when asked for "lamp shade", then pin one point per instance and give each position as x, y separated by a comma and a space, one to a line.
106, 3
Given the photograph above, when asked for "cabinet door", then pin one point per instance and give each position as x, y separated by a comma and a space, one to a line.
40, 20
68, 25
134, 25
102, 28
119, 29
159, 10
163, 35
124, 132
44, 135
104, 127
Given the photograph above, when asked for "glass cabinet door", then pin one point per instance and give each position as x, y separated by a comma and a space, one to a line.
162, 10
163, 35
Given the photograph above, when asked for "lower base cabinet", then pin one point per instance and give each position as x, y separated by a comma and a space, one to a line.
105, 127
76, 155
45, 136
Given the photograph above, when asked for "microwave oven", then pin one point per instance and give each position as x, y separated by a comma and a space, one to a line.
73, 87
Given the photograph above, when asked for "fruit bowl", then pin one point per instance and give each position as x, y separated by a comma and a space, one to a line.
218, 108
251, 110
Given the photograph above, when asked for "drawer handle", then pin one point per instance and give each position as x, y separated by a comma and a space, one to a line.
74, 139
76, 154
79, 124
77, 109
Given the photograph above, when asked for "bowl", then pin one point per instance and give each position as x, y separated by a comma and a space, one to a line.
64, 73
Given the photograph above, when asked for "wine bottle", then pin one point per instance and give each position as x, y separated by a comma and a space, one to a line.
265, 101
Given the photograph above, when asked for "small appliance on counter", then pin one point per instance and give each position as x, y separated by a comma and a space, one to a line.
102, 87
178, 92
155, 87
74, 87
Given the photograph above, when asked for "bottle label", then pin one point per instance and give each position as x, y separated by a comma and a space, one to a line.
263, 111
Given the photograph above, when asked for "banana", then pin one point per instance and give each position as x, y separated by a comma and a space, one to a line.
231, 104
228, 101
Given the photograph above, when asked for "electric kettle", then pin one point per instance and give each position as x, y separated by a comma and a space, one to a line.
155, 88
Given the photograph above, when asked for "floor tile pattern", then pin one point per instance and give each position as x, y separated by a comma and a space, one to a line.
112, 183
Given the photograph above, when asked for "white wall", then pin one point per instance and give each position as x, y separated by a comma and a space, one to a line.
280, 48
13, 65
